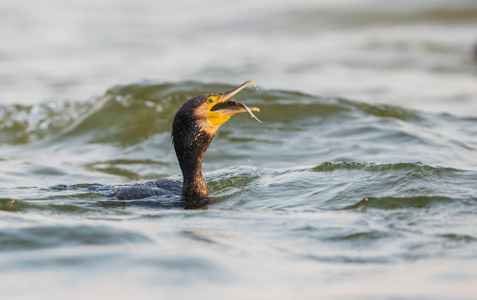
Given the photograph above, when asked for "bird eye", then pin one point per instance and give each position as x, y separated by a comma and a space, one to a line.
210, 100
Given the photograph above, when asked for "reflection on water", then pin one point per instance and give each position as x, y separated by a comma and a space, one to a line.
359, 182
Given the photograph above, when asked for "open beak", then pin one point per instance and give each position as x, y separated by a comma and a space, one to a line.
232, 107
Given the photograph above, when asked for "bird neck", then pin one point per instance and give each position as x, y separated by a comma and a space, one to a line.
193, 181
190, 150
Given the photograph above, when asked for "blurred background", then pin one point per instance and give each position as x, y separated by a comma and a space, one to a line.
359, 184
418, 54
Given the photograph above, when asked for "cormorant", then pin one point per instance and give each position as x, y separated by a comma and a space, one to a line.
193, 129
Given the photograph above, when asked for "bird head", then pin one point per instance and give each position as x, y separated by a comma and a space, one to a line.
216, 109
209, 111
222, 106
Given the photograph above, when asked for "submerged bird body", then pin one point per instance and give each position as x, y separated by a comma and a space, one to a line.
193, 129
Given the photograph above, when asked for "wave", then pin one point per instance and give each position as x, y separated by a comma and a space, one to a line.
401, 202
344, 186
375, 167
398, 185
51, 236
20, 124
130, 113
125, 136
326, 186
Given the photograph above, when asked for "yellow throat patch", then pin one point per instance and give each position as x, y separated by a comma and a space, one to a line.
215, 118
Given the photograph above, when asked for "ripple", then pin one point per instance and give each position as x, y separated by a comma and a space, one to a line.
401, 202
38, 237
375, 167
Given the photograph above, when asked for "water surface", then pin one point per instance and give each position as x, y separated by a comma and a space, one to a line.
359, 184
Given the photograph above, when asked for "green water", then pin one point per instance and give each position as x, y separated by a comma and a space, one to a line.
361, 182
323, 182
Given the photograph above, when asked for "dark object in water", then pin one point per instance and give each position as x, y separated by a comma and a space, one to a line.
193, 129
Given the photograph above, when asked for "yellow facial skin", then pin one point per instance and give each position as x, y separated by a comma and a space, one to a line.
214, 117
220, 116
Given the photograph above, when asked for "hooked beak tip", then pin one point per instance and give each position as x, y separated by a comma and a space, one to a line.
234, 91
